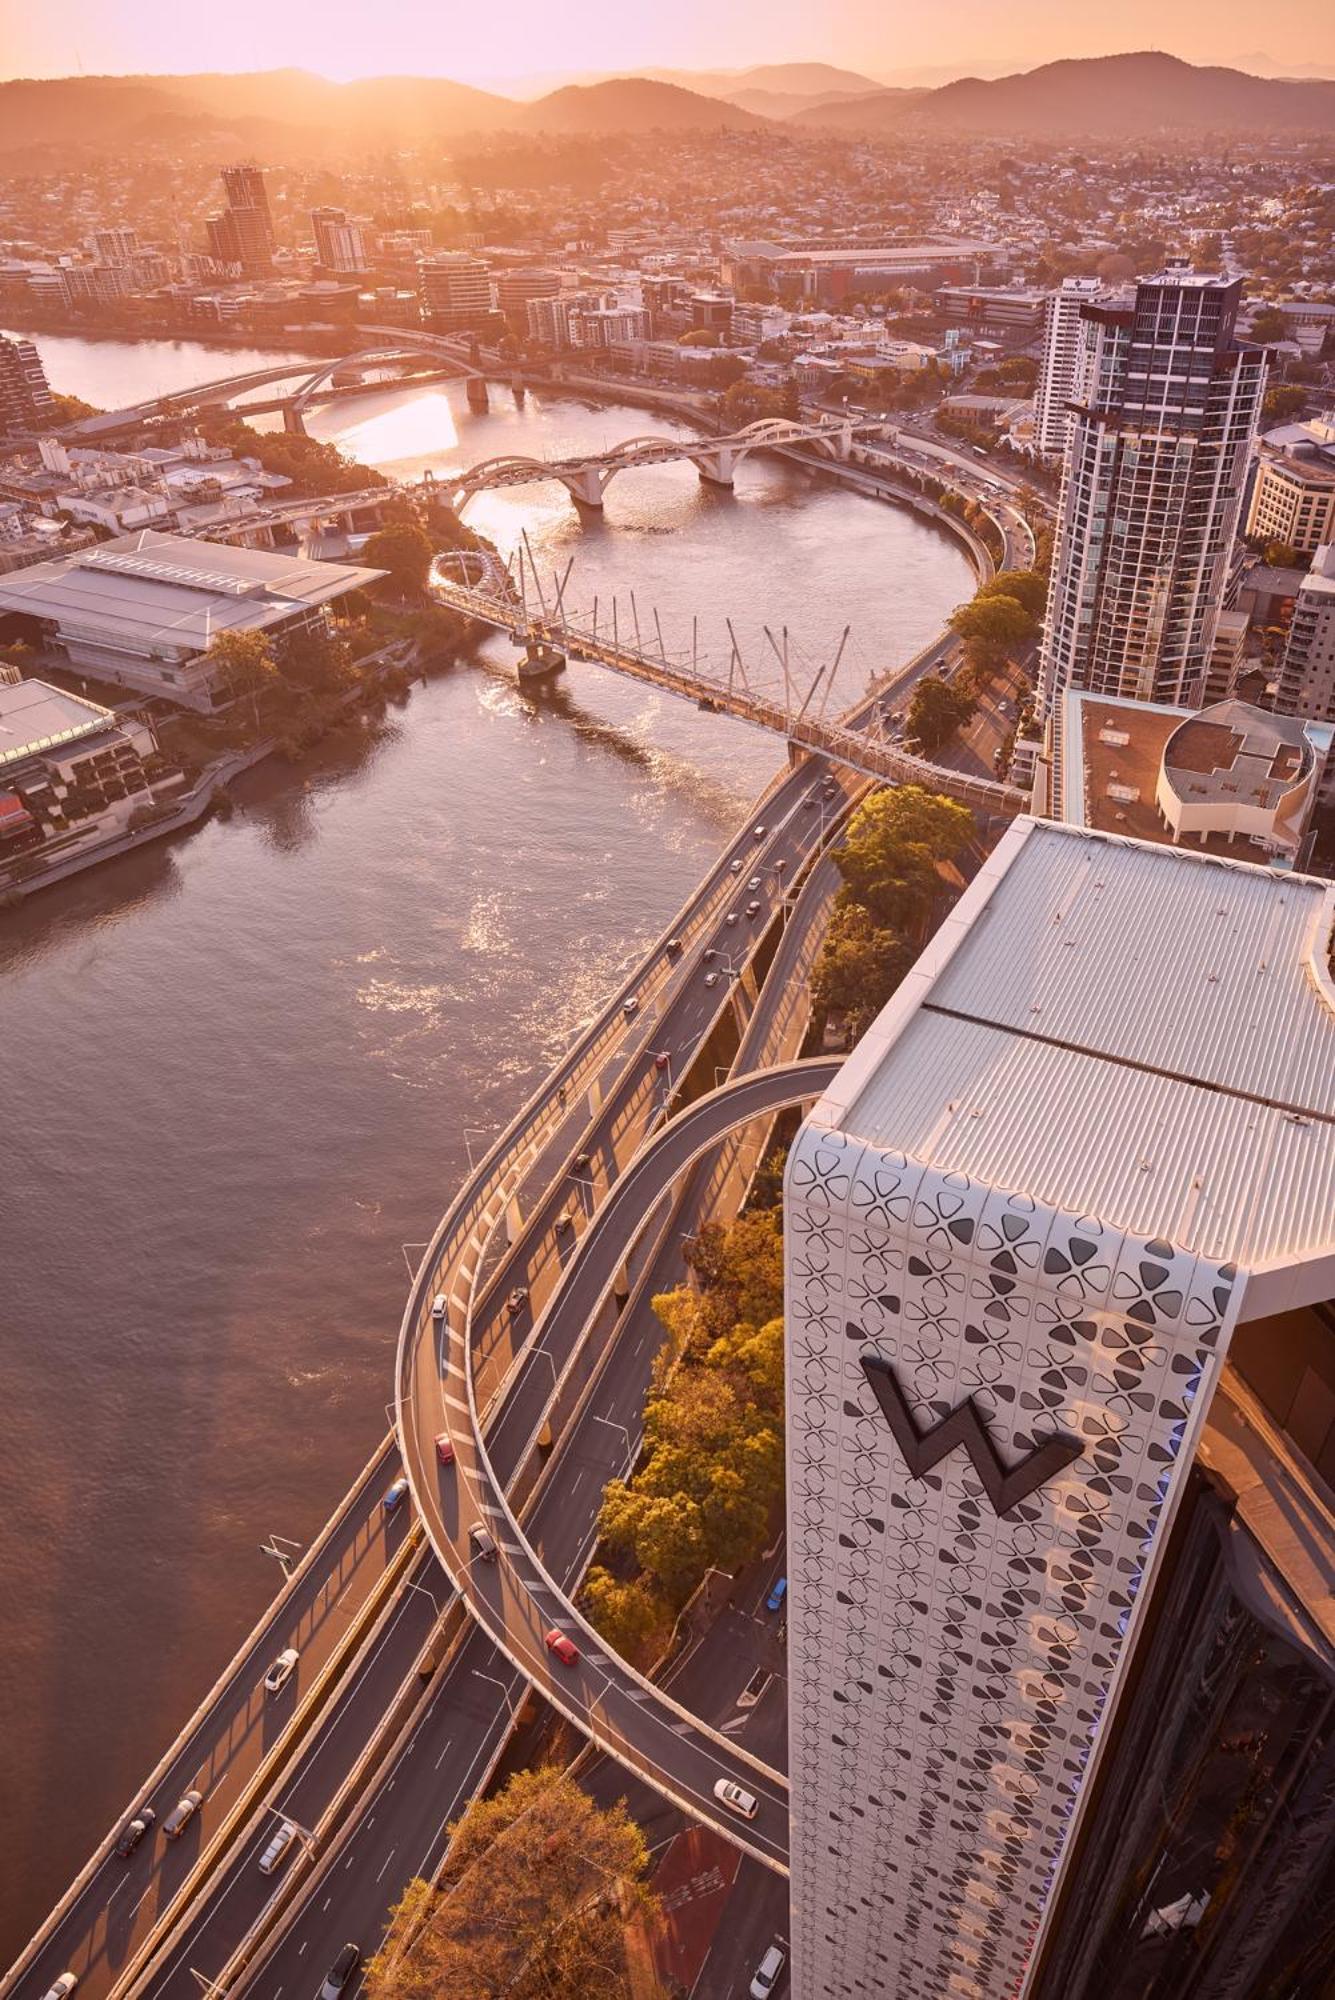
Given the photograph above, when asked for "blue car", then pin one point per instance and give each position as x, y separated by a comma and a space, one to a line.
774, 1602
395, 1494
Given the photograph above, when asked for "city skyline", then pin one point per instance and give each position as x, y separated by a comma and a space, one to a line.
344, 43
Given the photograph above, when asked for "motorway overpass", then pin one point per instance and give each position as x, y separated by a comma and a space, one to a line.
515, 1599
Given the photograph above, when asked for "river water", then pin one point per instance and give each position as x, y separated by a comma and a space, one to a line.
242, 1070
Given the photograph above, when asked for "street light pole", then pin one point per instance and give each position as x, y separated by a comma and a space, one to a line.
506, 1692
280, 1547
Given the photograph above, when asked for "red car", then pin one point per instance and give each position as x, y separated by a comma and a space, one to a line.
444, 1449
661, 1061
565, 1649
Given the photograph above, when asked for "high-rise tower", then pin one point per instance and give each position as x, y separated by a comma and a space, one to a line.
1063, 342
1057, 1241
1156, 459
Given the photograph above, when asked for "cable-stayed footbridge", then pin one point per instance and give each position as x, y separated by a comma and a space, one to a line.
513, 600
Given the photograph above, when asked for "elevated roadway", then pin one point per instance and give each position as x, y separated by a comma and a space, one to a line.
609, 1107
514, 1598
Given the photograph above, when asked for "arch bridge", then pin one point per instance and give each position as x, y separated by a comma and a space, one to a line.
308, 379
716, 459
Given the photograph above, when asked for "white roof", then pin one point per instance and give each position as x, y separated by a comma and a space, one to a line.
150, 592
35, 716
1127, 1030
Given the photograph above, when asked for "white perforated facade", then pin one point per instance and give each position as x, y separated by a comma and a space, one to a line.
1092, 1129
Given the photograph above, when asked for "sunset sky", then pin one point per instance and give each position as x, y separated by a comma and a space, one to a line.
502, 46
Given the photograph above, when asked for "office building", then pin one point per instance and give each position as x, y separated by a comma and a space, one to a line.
1293, 500
142, 610
25, 399
455, 290
1008, 313
1152, 483
515, 288
339, 244
1061, 1441
1063, 344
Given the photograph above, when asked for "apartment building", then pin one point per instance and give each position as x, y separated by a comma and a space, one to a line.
1152, 485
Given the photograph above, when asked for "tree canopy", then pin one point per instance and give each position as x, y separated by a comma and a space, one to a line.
405, 551
538, 1890
712, 1473
935, 712
859, 968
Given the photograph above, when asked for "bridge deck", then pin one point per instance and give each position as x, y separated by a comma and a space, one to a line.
850, 747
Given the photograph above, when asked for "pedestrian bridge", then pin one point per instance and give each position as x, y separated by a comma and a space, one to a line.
482, 589
716, 459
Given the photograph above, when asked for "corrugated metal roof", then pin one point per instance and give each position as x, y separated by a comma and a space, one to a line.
1132, 1032
1145, 953
148, 589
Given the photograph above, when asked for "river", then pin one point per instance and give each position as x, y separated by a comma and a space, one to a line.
242, 1070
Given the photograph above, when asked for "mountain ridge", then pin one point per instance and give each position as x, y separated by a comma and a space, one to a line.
293, 114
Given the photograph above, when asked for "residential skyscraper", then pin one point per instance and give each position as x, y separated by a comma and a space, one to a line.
1061, 1446
1152, 483
243, 234
25, 397
1063, 344
339, 244
1307, 671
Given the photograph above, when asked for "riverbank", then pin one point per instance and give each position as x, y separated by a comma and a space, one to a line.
203, 797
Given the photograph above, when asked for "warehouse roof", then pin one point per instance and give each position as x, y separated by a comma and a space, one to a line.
156, 593
1123, 1030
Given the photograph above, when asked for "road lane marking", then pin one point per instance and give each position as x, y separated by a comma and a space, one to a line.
445, 1752
385, 1863
301, 1948
325, 1905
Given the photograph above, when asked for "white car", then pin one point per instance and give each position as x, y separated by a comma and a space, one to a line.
438, 1308
711, 979
63, 1986
735, 1799
282, 1670
768, 1973
280, 1840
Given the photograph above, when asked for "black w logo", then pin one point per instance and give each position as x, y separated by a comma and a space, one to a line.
1005, 1487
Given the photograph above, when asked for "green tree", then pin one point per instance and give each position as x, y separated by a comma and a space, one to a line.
538, 1891
993, 625
632, 1617
1269, 325
936, 711
1026, 586
1284, 400
1283, 555
246, 664
405, 551
859, 967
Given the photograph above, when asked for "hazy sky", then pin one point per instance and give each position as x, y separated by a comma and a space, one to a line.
495, 44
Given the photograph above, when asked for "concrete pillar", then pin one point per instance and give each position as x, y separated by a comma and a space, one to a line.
478, 399
539, 661
586, 488
293, 421
716, 468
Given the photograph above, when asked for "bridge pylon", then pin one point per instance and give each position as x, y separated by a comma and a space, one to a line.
294, 423
478, 399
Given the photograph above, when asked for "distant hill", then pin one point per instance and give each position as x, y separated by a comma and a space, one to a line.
631, 104
287, 111
814, 81
1103, 97
292, 115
